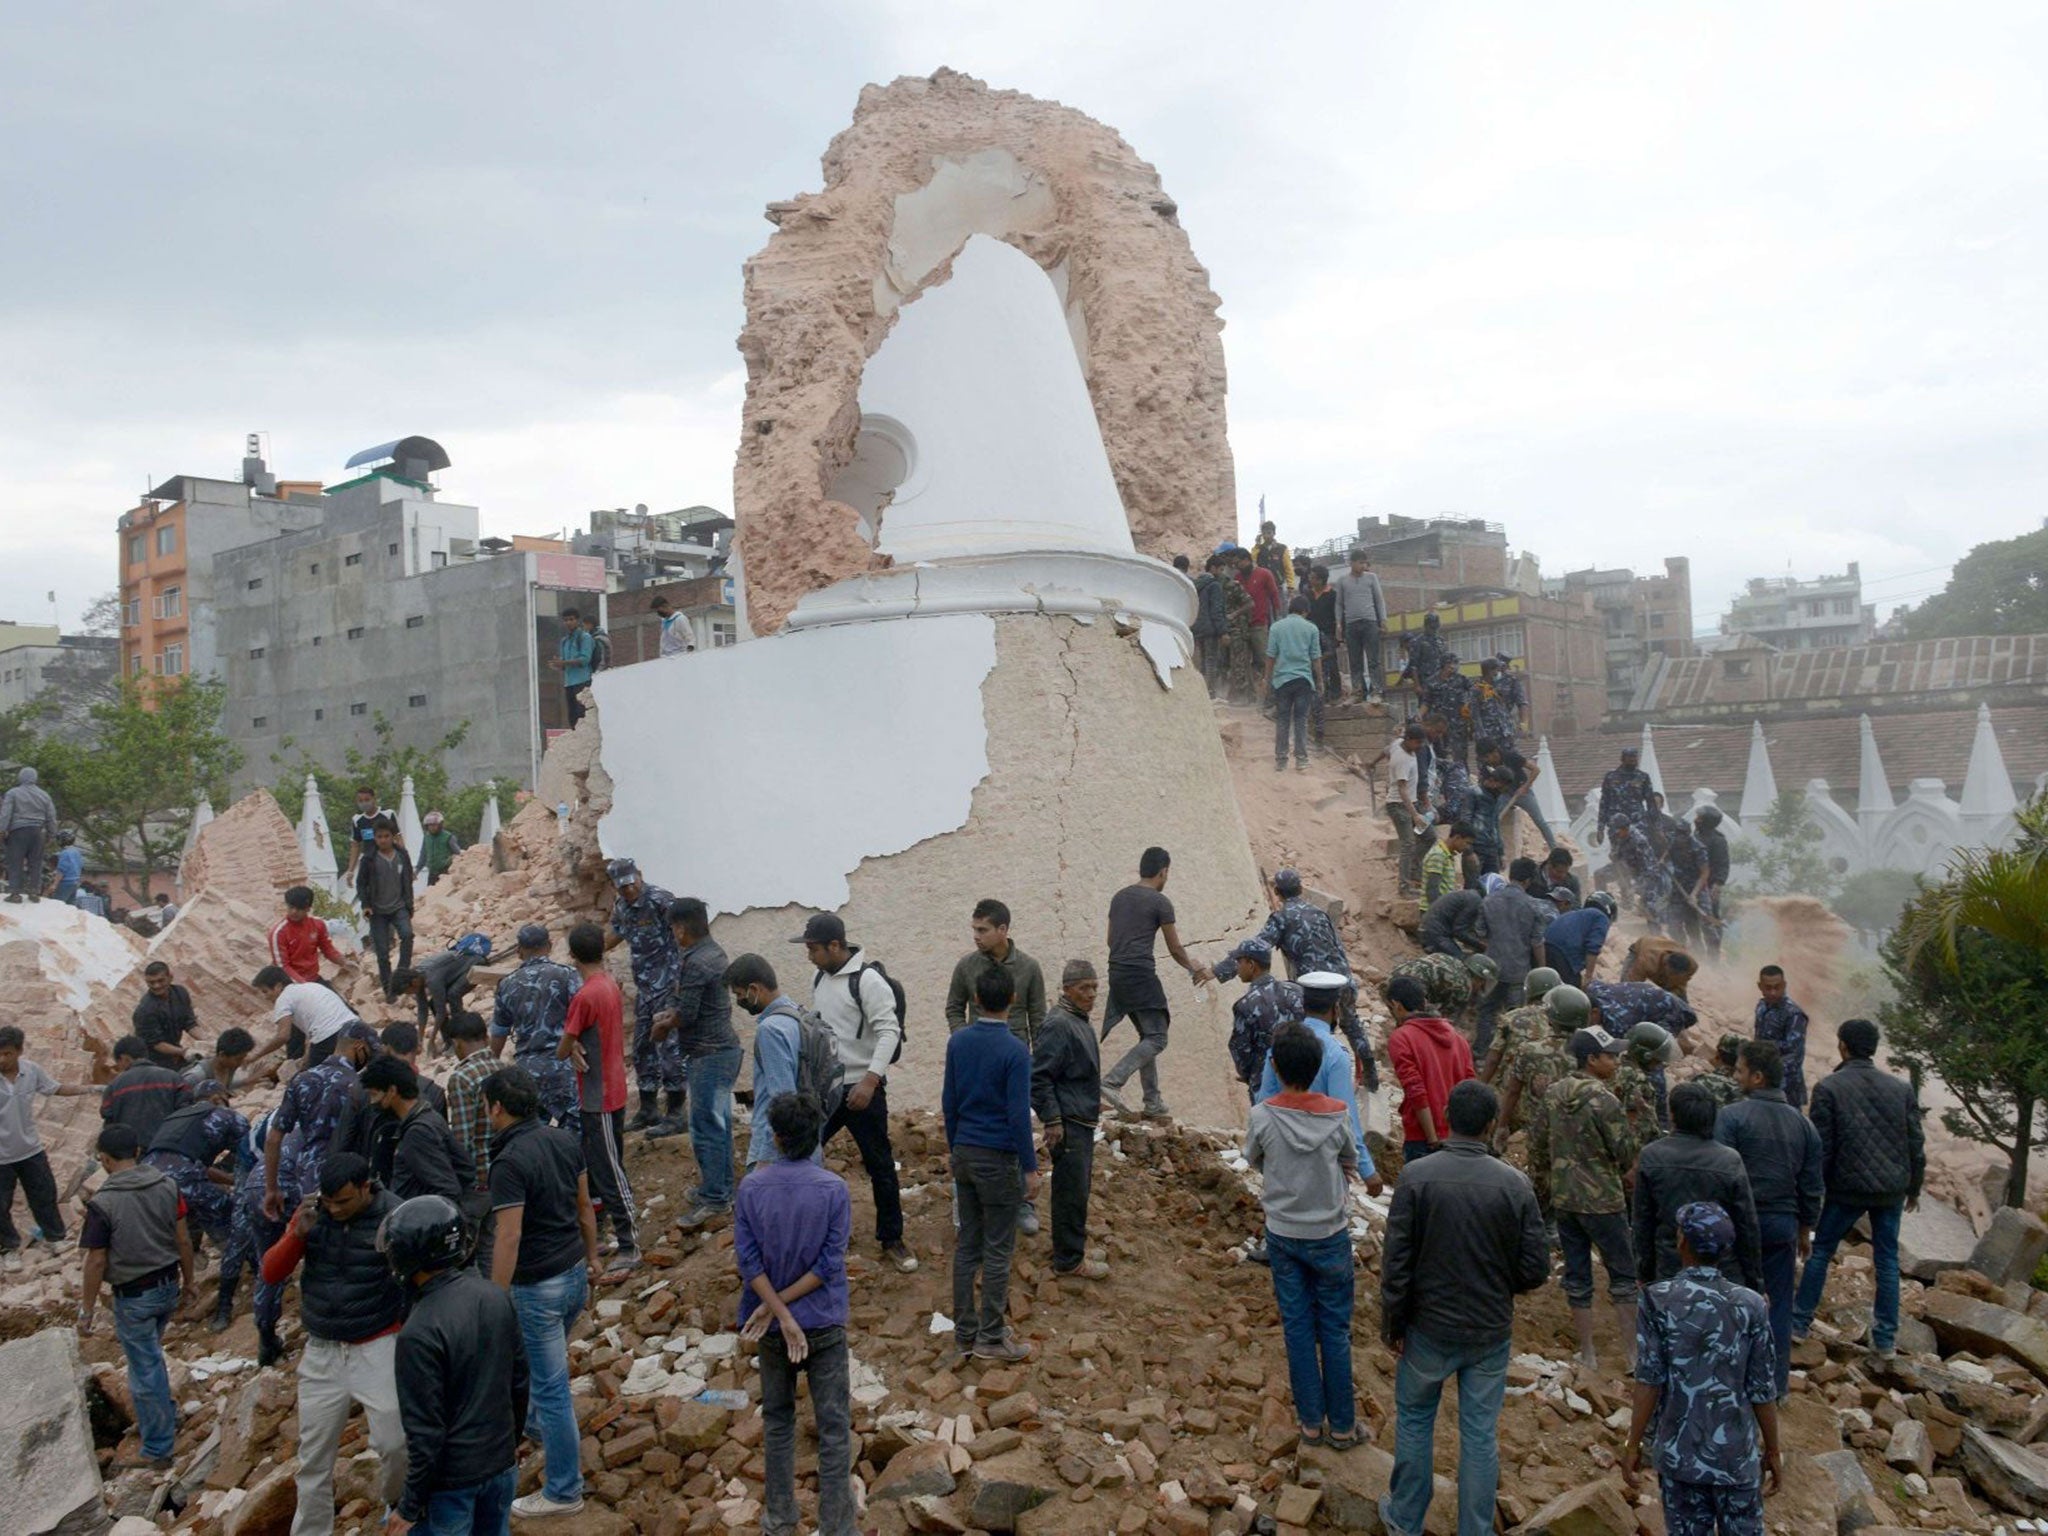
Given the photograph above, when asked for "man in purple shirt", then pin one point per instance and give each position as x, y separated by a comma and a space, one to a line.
790, 1227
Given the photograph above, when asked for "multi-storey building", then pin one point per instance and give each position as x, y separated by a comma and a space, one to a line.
1793, 615
1643, 617
35, 658
1553, 644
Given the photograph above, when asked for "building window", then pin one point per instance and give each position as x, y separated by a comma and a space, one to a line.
138, 550
1656, 621
723, 634
355, 559
172, 662
256, 652
390, 549
254, 583
418, 701
135, 665
1845, 605
132, 614
259, 722
356, 633
313, 569
1735, 667
319, 640
440, 559
167, 539
359, 709
169, 603
319, 714
416, 621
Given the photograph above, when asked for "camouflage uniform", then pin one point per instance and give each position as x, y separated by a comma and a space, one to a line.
530, 1008
1528, 1024
250, 1232
1624, 797
1536, 1064
313, 1105
1451, 697
208, 1206
1493, 709
1640, 1101
1237, 640
1579, 1150
657, 968
1647, 872
1303, 932
1267, 1003
1721, 1086
1784, 1024
1623, 1004
1426, 654
1707, 1343
1446, 984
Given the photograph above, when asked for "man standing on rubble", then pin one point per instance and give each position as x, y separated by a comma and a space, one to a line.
28, 820
858, 1002
298, 939
1137, 914
1066, 1093
593, 1041
1782, 1153
529, 1009
163, 1017
1682, 1169
701, 1017
1784, 1023
1361, 613
384, 890
640, 922
995, 950
1580, 1154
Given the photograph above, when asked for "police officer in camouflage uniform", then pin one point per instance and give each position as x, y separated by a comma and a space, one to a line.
187, 1145
1704, 1372
640, 922
1625, 793
1524, 1025
529, 1008
1720, 1082
1495, 699
1425, 656
1453, 988
1268, 1002
1450, 695
1304, 933
1580, 1152
251, 1234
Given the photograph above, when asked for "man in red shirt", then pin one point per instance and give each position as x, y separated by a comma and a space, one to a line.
1430, 1058
598, 1011
299, 939
1264, 591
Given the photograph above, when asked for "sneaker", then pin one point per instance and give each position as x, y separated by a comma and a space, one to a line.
1301, 765
1114, 1098
1008, 1347
1158, 1111
1027, 1222
1281, 766
899, 1254
1087, 1269
535, 1506
623, 1263
1256, 1254
701, 1216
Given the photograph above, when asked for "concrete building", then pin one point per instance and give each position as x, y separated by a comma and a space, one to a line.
1554, 644
36, 658
1420, 558
679, 555
1795, 615
1644, 617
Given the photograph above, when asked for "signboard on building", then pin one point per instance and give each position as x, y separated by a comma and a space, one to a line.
569, 573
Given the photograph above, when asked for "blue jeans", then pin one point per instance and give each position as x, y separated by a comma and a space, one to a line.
1836, 1219
1780, 1234
481, 1509
1294, 699
1313, 1281
139, 1325
1482, 1372
547, 1310
710, 1090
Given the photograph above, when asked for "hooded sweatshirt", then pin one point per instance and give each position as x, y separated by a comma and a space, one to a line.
1301, 1144
1430, 1058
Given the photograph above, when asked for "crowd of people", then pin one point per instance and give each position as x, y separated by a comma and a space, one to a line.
446, 1225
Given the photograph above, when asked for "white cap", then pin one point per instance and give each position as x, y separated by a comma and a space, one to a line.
1323, 981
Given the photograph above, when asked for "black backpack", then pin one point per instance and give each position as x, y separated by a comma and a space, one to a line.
896, 990
600, 650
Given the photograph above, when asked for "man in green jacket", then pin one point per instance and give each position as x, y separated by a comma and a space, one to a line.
438, 847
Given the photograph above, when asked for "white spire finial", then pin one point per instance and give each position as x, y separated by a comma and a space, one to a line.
1987, 787
1759, 784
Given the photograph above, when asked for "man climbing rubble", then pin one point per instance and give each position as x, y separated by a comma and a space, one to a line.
1580, 1154
640, 922
1454, 988
1138, 914
529, 1009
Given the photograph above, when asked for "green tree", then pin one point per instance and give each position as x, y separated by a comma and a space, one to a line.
1871, 899
148, 754
1786, 853
2000, 588
385, 769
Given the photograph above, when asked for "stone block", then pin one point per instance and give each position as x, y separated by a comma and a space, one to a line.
2012, 1247
1003, 1487
696, 1427
1985, 1328
1591, 1509
1909, 1448
1916, 1338
49, 1474
268, 1508
2009, 1475
1354, 1482
1296, 1505
1934, 1238
924, 1468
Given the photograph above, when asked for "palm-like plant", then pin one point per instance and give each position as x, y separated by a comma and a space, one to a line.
2000, 892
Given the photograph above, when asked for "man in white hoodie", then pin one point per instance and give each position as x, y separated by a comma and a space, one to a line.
858, 1002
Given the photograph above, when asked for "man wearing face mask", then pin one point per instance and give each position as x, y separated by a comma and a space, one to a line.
778, 1049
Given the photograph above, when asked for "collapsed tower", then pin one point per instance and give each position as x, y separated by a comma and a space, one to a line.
984, 408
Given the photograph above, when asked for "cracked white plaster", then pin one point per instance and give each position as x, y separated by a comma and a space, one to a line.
761, 775
1165, 647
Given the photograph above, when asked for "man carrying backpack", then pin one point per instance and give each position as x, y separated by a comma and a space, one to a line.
864, 1010
793, 1053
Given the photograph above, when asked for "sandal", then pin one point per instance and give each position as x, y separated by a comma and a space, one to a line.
1344, 1441
1314, 1438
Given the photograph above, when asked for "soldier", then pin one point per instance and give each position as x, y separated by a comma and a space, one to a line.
1783, 1022
1534, 1065
1625, 1004
1496, 700
1528, 1024
1268, 1002
1580, 1151
1304, 933
1720, 1080
1639, 1080
1625, 793
187, 1145
1703, 1370
1425, 654
530, 1007
1454, 988
1237, 636
640, 922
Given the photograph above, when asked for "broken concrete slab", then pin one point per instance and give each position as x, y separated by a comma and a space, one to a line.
923, 1468
1985, 1328
49, 1474
2012, 1247
1909, 1449
1004, 1487
1856, 1505
2009, 1475
1935, 1238
1592, 1509
1354, 1482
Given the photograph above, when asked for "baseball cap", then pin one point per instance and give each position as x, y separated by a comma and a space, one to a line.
823, 928
357, 1030
534, 936
1588, 1043
1254, 949
1287, 881
622, 871
1707, 1228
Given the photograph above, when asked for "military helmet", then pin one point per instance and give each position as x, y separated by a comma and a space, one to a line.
1568, 1008
1728, 1045
1652, 1045
1483, 968
1600, 901
1539, 982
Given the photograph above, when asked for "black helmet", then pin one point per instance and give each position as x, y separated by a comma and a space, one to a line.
1600, 901
427, 1232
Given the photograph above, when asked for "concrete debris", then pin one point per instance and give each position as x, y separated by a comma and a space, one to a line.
49, 1474
1934, 1238
2012, 1248
2011, 1476
1962, 1322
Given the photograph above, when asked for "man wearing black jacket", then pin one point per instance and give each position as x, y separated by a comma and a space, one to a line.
425, 1158
1874, 1159
1066, 1095
384, 890
142, 1093
461, 1378
1464, 1238
163, 1017
1681, 1169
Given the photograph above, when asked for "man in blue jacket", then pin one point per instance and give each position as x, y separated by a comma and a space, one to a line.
987, 1104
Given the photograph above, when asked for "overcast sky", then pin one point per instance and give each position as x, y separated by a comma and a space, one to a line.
1761, 284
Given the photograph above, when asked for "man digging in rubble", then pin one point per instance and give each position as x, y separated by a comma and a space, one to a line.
351, 1306
640, 922
1580, 1154
187, 1146
1137, 914
1306, 935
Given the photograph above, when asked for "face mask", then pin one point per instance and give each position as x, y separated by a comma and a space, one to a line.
751, 1006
